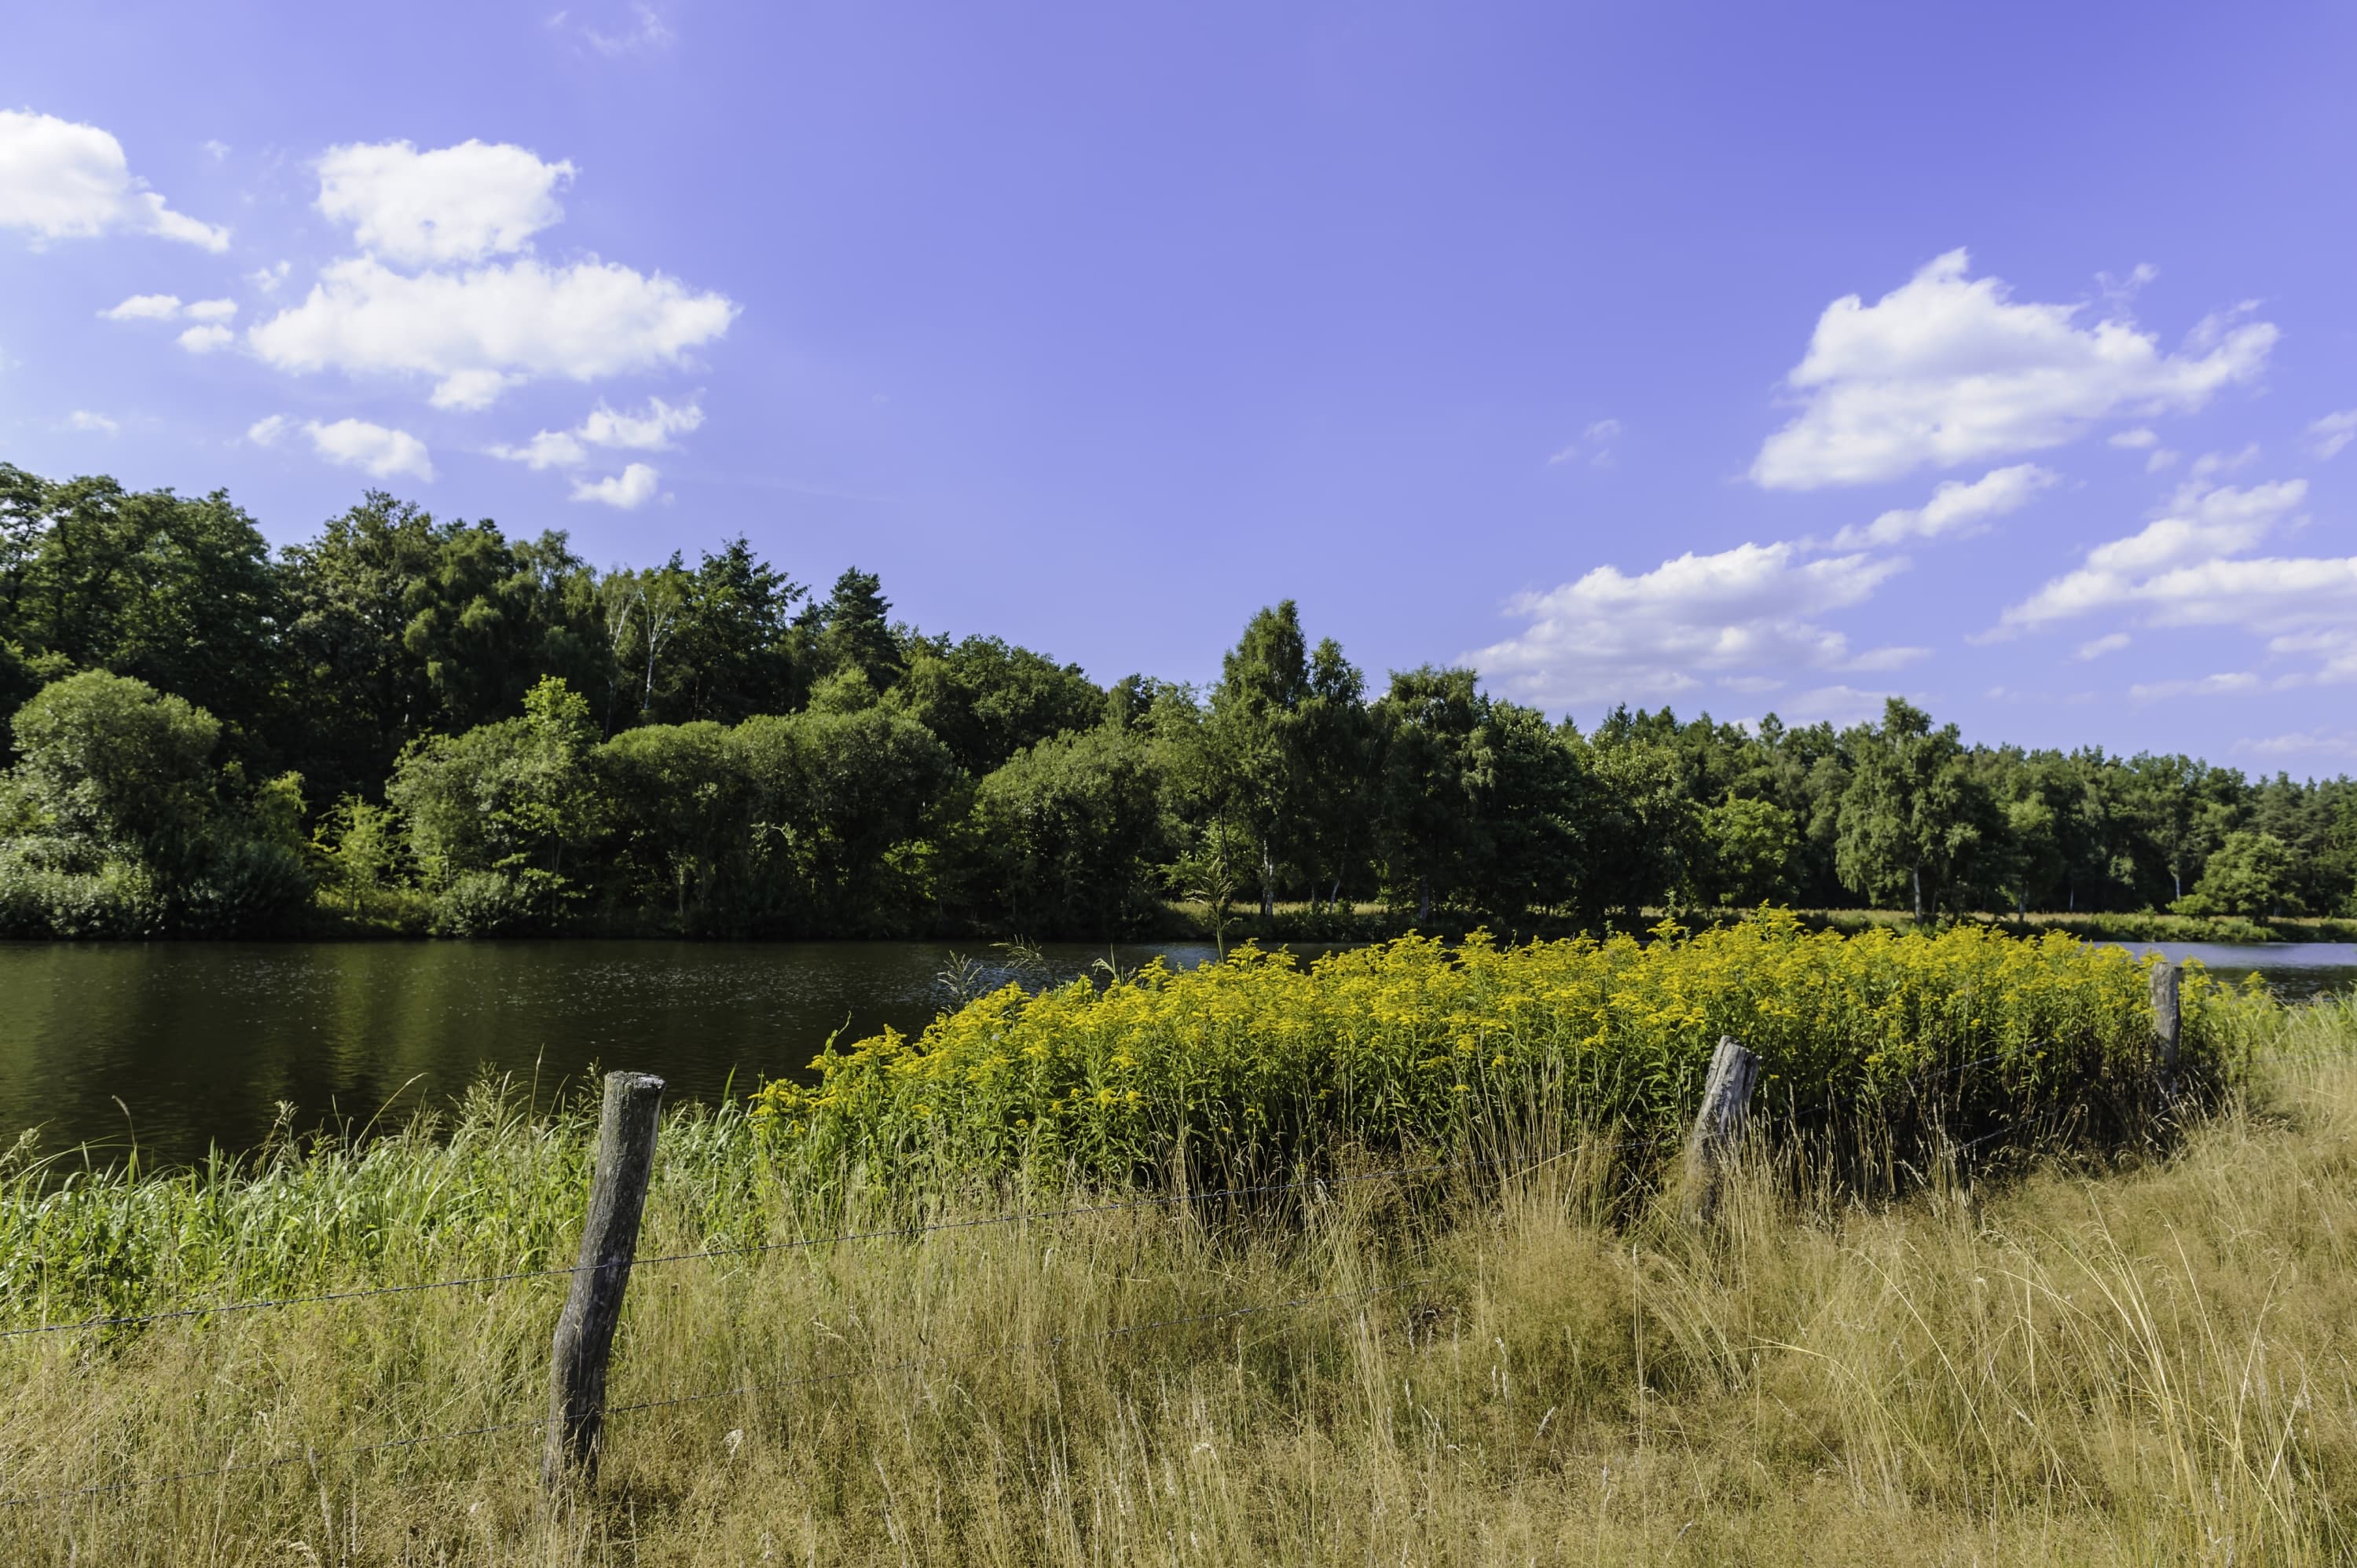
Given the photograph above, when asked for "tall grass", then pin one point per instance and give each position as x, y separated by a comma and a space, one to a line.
2138, 1357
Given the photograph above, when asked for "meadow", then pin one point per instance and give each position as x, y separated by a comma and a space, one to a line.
2097, 1340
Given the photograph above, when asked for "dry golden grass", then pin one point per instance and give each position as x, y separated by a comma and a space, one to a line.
2145, 1365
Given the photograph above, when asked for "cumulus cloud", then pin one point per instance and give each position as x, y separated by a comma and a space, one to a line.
1947, 369
647, 431
630, 489
96, 424
2110, 642
481, 331
2136, 440
206, 339
2197, 528
63, 180
2192, 567
1744, 617
1955, 509
380, 452
2327, 435
373, 449
453, 204
145, 307
266, 279
168, 308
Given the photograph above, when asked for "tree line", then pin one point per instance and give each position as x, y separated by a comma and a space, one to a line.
420, 722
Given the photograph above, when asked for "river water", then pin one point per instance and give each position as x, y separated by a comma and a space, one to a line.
184, 1045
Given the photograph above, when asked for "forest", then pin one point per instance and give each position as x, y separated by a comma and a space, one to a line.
413, 723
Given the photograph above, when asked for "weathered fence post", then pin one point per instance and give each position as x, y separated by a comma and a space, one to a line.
1719, 1126
585, 1333
2167, 1016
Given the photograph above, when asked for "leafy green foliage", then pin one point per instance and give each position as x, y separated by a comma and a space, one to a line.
490, 735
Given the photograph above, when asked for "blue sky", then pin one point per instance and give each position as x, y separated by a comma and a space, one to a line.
1744, 359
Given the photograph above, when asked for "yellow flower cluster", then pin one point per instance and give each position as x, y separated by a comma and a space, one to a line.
1260, 1060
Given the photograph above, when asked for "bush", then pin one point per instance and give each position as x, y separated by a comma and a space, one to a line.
56, 888
1252, 1063
490, 904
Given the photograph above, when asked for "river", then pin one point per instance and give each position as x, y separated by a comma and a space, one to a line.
185, 1045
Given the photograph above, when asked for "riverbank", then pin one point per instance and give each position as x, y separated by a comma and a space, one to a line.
2125, 1362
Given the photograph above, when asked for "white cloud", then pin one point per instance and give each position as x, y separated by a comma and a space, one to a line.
2191, 567
1740, 615
145, 308
2334, 430
266, 279
168, 308
2317, 741
266, 432
1954, 508
1594, 446
380, 453
630, 489
216, 149
2161, 458
206, 339
2136, 440
647, 31
454, 204
480, 331
2199, 527
2110, 642
2228, 685
1946, 369
650, 431
62, 180
549, 449
96, 424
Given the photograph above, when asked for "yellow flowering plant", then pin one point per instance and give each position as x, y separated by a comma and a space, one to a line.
1261, 1062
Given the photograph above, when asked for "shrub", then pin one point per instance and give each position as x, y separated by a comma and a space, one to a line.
1259, 1061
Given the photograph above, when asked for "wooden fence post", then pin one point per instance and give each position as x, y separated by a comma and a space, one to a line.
585, 1332
2168, 1015
1719, 1126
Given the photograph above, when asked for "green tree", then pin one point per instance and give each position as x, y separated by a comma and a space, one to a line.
1066, 834
1750, 847
680, 818
851, 629
1434, 762
848, 808
496, 814
2250, 874
1914, 812
987, 699
1257, 743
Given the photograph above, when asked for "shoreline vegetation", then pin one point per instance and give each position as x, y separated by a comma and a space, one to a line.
2114, 1335
412, 724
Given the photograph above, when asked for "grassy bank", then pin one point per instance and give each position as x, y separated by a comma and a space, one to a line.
2132, 1359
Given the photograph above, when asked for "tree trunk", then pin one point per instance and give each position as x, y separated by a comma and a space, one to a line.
1423, 900
1267, 886
1919, 895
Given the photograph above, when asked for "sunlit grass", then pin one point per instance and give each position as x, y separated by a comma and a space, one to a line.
2138, 1358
